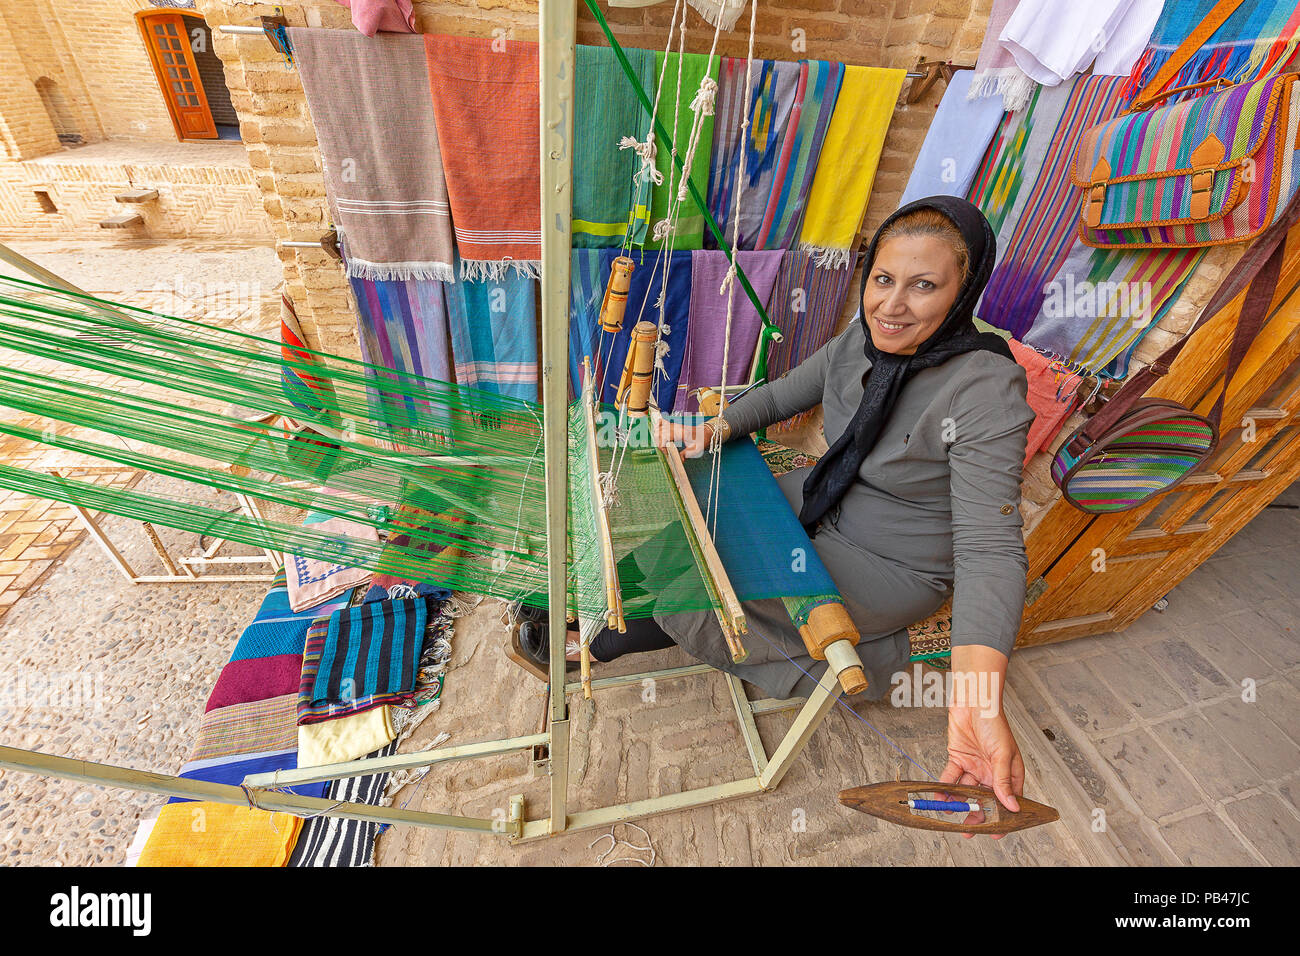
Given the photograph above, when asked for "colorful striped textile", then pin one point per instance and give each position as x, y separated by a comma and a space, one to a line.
251, 727
485, 103
1044, 228
806, 303
1101, 303
1259, 36
679, 80
233, 769
607, 204
402, 326
706, 339
814, 106
304, 391
368, 656
940, 168
999, 184
494, 334
767, 95
847, 166
380, 150
334, 841
609, 352
586, 293
1132, 469
208, 834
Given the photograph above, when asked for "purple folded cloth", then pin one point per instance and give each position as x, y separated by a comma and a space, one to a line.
256, 678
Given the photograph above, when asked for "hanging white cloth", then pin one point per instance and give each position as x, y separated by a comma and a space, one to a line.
1051, 41
1129, 40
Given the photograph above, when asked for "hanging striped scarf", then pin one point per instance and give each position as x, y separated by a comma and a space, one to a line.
485, 103
607, 205
1259, 36
806, 303
674, 112
1045, 228
785, 207
767, 95
403, 328
494, 334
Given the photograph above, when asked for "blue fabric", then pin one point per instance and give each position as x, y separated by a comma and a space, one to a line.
270, 638
232, 770
590, 276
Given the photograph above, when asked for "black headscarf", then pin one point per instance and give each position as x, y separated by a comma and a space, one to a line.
838, 469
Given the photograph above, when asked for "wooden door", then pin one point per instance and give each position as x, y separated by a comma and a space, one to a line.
1089, 574
168, 40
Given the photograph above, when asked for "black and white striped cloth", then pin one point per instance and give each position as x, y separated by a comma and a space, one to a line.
335, 841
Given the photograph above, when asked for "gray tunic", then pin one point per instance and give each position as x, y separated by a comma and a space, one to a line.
934, 513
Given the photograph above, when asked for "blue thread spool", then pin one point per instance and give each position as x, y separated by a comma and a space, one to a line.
946, 806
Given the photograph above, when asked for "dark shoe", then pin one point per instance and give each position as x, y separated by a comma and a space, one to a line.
535, 643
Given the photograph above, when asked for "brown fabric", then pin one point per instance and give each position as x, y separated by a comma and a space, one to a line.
369, 100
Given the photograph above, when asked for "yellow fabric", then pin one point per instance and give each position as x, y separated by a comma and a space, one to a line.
344, 738
200, 833
850, 153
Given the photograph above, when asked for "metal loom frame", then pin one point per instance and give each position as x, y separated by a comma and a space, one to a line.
557, 58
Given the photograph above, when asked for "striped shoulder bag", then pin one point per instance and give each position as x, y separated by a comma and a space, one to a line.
1213, 169
1137, 447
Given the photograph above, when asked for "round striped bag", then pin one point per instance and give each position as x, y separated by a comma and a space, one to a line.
1155, 445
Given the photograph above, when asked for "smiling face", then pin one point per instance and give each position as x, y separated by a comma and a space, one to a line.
913, 283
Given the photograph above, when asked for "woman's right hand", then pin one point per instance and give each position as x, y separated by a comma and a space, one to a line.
694, 439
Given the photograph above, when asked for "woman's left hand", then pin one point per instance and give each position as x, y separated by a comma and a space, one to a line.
983, 751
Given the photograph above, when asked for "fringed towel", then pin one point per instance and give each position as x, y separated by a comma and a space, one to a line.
785, 206
646, 284
607, 204
719, 13
368, 656
941, 169
1256, 38
335, 841
996, 72
767, 95
707, 336
1102, 302
250, 727
494, 334
1045, 228
403, 327
847, 166
219, 834
380, 150
689, 231
485, 102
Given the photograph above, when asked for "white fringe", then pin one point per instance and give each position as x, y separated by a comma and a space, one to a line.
1010, 82
496, 270
728, 11
384, 271
825, 256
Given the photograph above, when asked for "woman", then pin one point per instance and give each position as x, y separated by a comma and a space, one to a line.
917, 498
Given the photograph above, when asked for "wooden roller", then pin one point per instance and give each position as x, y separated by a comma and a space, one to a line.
830, 635
639, 369
615, 303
